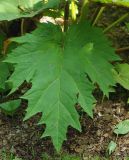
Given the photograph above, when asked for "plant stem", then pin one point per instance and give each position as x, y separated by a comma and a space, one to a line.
22, 27
119, 50
102, 100
101, 9
94, 14
116, 22
66, 16
84, 10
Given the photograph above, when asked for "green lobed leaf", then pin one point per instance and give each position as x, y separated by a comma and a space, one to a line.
10, 107
53, 3
15, 9
4, 69
121, 74
122, 127
60, 67
4, 74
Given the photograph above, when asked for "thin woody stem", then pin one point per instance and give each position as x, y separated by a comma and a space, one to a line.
66, 16
101, 9
116, 22
119, 50
22, 27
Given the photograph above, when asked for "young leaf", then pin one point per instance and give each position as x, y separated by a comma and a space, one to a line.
58, 64
111, 147
10, 107
122, 127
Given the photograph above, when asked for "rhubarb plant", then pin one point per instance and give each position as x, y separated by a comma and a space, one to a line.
63, 64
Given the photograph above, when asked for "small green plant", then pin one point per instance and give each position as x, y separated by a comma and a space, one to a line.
111, 147
64, 63
8, 156
122, 127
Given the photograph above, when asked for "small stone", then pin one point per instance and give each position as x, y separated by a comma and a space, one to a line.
98, 133
106, 135
123, 149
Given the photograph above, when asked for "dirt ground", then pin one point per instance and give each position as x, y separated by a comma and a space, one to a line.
23, 138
